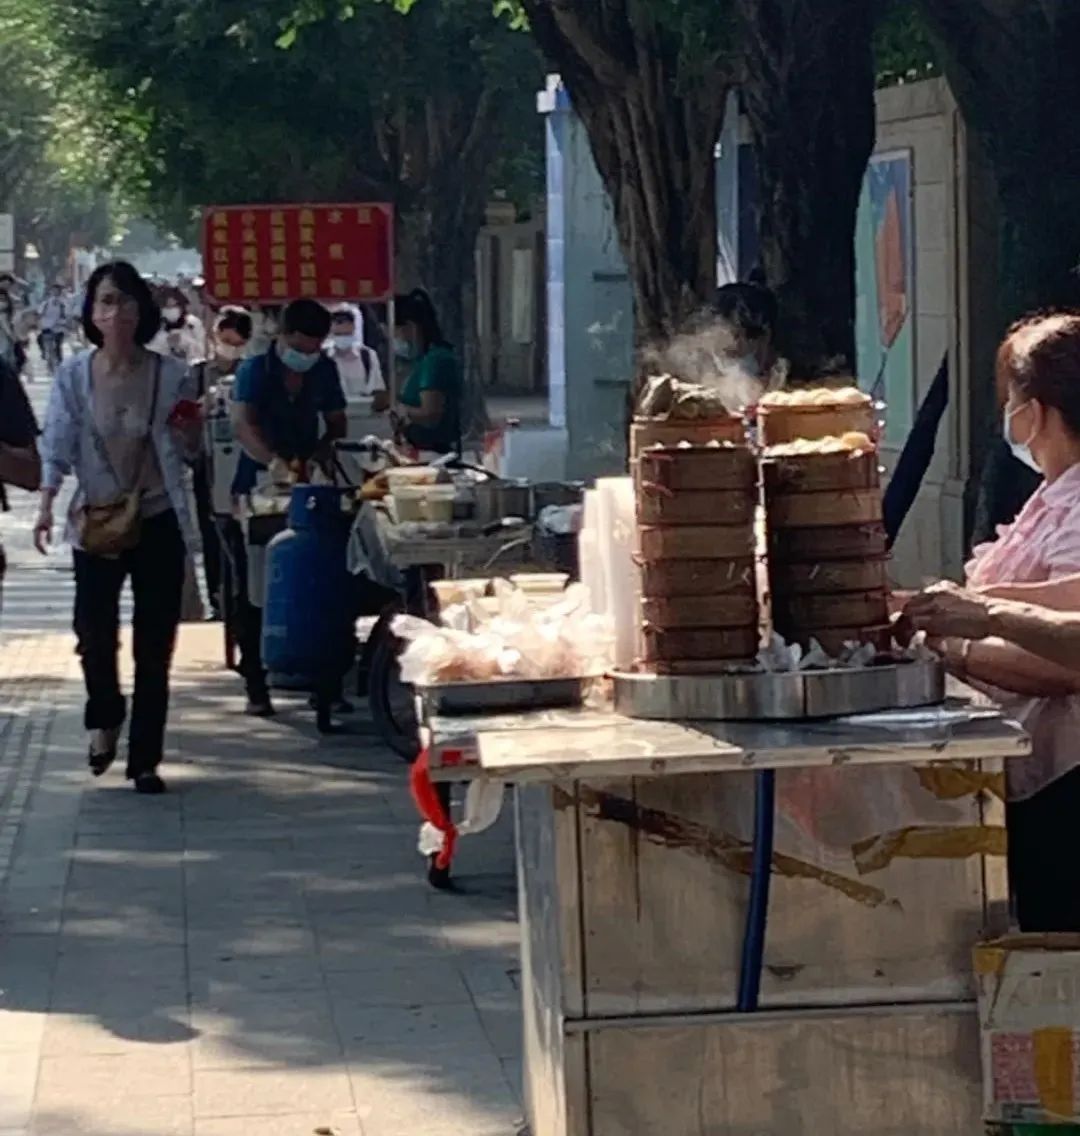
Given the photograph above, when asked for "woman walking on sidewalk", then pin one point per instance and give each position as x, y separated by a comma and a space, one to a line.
118, 419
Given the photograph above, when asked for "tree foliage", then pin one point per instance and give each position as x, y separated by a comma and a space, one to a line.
51, 145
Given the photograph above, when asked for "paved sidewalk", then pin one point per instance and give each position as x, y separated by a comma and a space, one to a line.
257, 951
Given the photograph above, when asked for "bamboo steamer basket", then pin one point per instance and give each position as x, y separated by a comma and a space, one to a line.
700, 468
779, 424
820, 473
824, 577
662, 579
736, 609
695, 542
843, 609
659, 506
837, 542
833, 640
819, 510
699, 644
668, 433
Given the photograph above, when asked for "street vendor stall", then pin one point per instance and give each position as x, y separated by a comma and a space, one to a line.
754, 859
635, 850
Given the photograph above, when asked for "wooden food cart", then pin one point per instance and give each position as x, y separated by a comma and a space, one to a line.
634, 847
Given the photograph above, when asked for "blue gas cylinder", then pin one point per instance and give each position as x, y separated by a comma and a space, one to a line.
308, 618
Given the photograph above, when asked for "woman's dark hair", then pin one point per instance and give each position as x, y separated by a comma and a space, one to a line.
1040, 356
127, 280
306, 317
234, 319
751, 308
416, 307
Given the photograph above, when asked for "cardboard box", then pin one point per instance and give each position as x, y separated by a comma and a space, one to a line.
1029, 1024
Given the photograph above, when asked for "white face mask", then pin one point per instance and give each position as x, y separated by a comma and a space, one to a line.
343, 342
1020, 450
171, 314
229, 352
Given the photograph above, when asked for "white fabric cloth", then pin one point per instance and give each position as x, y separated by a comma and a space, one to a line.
360, 371
483, 804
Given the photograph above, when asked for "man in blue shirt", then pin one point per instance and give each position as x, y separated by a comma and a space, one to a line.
278, 400
280, 396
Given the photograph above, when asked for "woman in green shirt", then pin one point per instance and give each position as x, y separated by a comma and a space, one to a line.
429, 405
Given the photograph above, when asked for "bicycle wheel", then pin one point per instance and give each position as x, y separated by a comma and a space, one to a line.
393, 708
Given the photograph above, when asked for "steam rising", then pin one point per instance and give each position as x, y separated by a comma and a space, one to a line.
709, 352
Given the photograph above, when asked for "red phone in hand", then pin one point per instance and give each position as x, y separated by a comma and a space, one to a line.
185, 413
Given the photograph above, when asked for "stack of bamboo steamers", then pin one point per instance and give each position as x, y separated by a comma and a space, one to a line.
698, 488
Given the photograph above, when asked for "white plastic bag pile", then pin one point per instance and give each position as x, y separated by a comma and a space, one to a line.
508, 637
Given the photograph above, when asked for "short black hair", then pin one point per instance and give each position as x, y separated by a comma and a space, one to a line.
127, 279
751, 308
306, 317
234, 319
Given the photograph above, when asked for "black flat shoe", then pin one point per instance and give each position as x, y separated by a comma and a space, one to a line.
149, 783
100, 762
259, 708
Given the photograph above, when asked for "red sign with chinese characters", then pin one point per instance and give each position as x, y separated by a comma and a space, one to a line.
271, 254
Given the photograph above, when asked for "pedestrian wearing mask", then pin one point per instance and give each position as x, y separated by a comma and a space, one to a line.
123, 421
358, 366
288, 409
428, 417
182, 335
228, 346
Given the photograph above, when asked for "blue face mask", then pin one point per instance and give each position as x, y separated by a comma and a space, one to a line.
1020, 450
297, 360
403, 349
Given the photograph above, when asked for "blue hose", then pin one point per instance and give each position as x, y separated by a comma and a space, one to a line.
757, 912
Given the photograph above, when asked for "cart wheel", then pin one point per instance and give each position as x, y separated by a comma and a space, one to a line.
439, 878
393, 708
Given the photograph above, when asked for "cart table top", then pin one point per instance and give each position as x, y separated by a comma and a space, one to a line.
572, 744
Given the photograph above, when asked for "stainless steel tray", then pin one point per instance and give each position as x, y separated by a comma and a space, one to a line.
763, 697
513, 694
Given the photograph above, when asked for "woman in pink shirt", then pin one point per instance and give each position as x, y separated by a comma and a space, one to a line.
1037, 559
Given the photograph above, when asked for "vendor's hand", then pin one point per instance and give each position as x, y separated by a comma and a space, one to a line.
280, 473
43, 528
946, 609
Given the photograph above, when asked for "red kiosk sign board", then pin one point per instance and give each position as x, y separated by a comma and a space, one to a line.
270, 254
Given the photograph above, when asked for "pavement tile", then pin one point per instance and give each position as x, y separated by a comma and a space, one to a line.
437, 982
267, 1092
141, 1116
18, 1078
115, 1030
306, 1124
152, 1072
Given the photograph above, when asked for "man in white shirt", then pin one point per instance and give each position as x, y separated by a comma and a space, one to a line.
358, 365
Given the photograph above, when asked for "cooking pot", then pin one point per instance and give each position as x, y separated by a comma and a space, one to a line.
497, 498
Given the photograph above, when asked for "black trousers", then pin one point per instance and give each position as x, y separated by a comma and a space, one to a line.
211, 543
156, 569
247, 618
1044, 856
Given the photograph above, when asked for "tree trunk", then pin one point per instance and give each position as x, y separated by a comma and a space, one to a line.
809, 98
1011, 65
653, 133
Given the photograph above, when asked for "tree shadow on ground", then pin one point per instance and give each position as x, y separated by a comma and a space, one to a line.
270, 922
